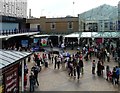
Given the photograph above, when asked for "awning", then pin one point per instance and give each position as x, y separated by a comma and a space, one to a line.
72, 35
108, 34
10, 57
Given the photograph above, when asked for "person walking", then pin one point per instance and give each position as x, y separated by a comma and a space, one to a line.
25, 81
35, 70
78, 71
52, 58
99, 68
70, 69
32, 82
114, 76
55, 62
102, 67
74, 66
117, 74
107, 71
93, 67
58, 62
81, 66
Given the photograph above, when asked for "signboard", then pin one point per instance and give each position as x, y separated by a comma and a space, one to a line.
11, 80
24, 43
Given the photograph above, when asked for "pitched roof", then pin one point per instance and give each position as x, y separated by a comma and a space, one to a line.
103, 12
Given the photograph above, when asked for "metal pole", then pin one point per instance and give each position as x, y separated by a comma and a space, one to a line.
58, 39
78, 41
23, 76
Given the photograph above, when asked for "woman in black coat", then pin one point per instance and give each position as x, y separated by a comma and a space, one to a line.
99, 66
78, 71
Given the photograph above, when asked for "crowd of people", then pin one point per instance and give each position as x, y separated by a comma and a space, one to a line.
74, 63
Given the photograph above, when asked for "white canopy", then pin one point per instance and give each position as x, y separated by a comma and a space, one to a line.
41, 35
72, 35
107, 34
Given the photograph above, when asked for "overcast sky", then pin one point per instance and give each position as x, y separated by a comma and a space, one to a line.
62, 8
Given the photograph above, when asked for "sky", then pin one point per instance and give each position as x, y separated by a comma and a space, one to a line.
62, 8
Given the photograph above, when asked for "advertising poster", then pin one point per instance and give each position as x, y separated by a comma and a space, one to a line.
24, 43
36, 40
12, 80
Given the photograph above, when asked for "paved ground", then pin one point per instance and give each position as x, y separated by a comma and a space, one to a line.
51, 79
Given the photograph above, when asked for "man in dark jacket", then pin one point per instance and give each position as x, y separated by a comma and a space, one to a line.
78, 71
32, 82
81, 66
35, 71
117, 74
55, 62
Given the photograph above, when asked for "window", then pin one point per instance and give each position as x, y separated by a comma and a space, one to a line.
106, 25
70, 25
52, 25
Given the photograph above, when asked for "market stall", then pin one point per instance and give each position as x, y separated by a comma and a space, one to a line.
9, 69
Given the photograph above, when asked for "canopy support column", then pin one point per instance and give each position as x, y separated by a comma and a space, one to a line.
23, 76
78, 41
63, 39
59, 40
88, 42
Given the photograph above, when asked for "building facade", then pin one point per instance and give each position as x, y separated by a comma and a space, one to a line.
119, 15
13, 15
14, 8
54, 25
101, 18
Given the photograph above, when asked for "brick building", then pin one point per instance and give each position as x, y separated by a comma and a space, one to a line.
63, 25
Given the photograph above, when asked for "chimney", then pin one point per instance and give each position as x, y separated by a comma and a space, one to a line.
29, 13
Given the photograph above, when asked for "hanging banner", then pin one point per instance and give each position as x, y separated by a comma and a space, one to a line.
99, 40
44, 41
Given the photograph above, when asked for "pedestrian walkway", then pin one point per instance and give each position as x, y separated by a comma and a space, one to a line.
51, 79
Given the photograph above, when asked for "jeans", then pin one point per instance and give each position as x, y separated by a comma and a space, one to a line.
31, 87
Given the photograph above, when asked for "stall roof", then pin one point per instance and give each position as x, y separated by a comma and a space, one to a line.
9, 57
72, 35
44, 35
108, 34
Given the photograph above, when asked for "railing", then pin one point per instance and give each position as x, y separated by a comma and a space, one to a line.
11, 32
56, 32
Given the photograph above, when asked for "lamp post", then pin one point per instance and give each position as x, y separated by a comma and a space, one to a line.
73, 8
42, 12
